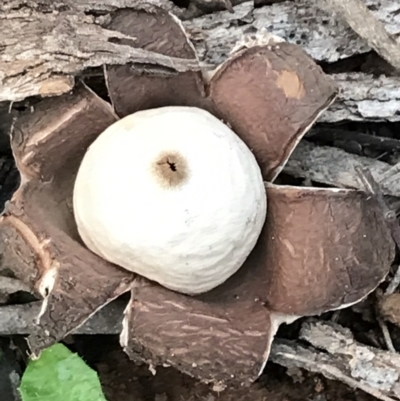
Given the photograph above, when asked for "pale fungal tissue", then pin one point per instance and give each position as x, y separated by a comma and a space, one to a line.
172, 194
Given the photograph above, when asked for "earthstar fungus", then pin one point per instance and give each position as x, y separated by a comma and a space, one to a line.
319, 250
171, 194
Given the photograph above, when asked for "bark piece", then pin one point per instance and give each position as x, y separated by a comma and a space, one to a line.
335, 167
372, 188
332, 247
364, 97
271, 93
41, 245
77, 40
323, 35
21, 319
363, 22
335, 354
85, 5
160, 32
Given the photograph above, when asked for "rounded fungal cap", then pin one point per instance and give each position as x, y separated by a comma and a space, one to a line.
172, 194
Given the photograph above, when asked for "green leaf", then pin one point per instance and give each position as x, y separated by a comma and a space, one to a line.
59, 374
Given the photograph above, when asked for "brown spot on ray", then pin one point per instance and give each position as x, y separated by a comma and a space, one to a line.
291, 84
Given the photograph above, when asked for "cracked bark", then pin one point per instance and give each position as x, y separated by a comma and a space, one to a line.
335, 167
322, 34
76, 40
363, 22
333, 352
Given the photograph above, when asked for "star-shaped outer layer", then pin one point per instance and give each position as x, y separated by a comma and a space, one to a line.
320, 249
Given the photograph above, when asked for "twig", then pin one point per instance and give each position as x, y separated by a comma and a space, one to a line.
391, 288
386, 335
362, 21
335, 316
300, 357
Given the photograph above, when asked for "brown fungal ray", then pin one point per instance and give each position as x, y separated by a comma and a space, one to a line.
221, 337
271, 94
326, 248
132, 90
38, 231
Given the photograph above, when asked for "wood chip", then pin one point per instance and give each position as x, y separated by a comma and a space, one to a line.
335, 354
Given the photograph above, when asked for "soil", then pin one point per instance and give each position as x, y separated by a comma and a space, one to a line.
123, 380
